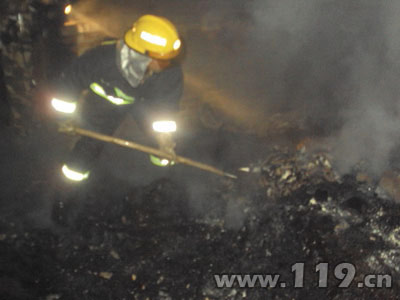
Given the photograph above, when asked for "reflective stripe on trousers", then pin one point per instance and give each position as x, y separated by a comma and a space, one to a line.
73, 174
160, 162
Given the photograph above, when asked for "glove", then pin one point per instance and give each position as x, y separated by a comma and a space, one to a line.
66, 126
166, 144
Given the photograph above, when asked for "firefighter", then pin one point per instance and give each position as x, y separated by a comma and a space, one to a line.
137, 75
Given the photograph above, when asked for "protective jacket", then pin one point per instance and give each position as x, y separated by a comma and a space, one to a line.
111, 97
97, 71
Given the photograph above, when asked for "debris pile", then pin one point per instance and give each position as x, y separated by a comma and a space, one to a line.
283, 171
148, 246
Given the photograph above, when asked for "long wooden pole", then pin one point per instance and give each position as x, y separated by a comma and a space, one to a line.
146, 149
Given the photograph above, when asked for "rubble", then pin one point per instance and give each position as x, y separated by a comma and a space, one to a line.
390, 183
105, 275
298, 210
284, 172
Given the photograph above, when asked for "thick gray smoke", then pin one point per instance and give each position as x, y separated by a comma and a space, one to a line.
333, 62
337, 62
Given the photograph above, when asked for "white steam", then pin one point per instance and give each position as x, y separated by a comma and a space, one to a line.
338, 62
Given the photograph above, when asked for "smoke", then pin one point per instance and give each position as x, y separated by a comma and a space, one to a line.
111, 19
371, 127
333, 62
336, 63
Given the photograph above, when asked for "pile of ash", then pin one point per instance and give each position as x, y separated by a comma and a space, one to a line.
150, 245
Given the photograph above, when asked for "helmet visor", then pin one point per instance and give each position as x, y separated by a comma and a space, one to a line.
132, 64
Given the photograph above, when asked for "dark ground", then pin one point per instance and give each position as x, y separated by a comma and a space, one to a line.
166, 239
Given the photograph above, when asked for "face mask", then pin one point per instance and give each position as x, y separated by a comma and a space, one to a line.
132, 64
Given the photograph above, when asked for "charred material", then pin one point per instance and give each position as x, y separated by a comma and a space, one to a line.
147, 245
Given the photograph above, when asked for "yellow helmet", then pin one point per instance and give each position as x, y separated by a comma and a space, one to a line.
154, 36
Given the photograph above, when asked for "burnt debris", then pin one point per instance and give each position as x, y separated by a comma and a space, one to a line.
149, 245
